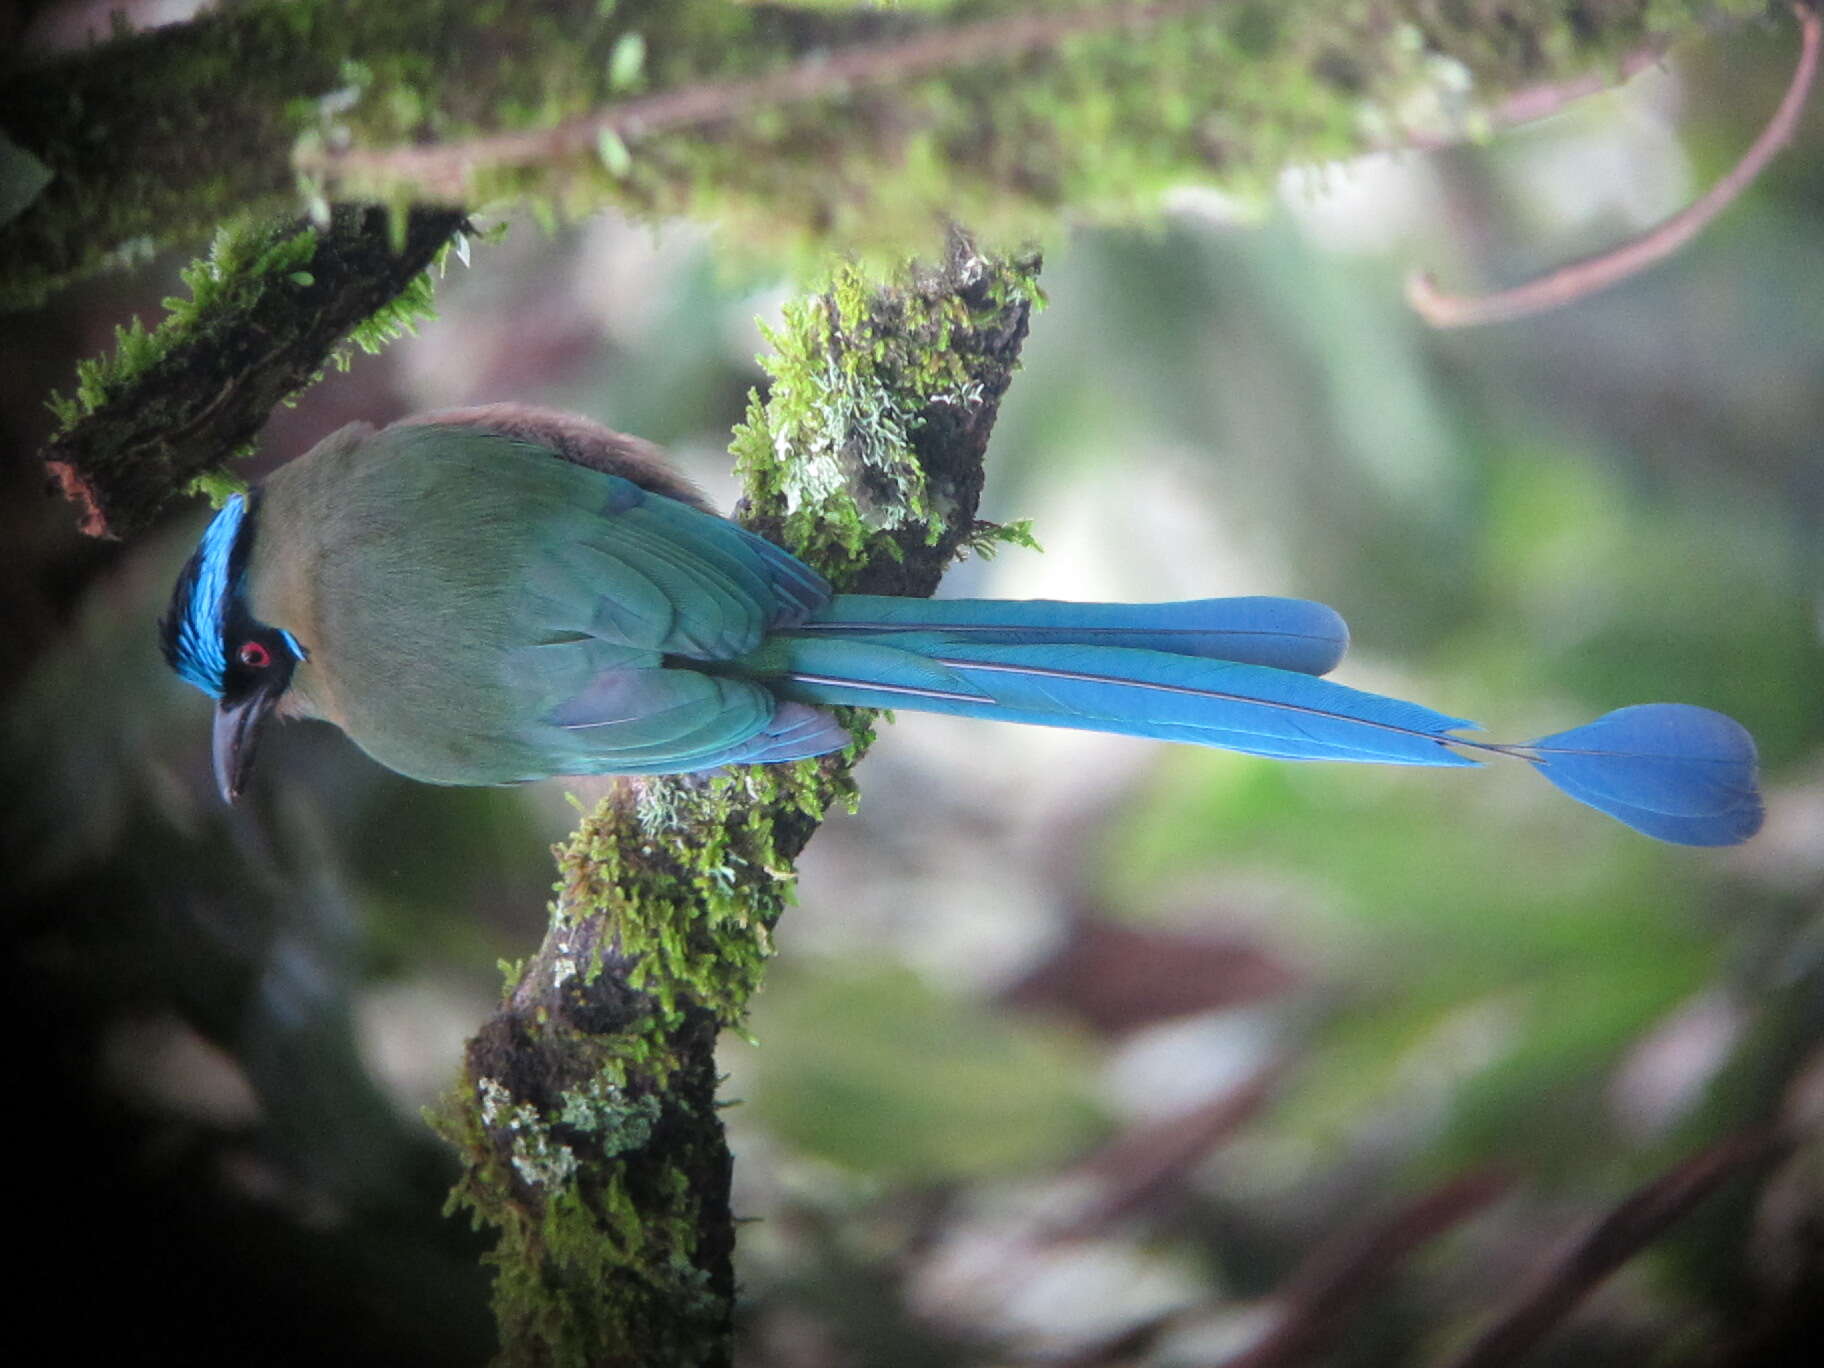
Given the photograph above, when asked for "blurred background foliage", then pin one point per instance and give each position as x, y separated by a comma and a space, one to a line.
1078, 1049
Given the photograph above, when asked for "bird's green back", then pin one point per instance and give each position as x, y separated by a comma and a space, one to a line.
478, 610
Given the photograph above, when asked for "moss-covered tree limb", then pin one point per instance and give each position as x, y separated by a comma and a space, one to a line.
996, 112
587, 1118
168, 134
271, 307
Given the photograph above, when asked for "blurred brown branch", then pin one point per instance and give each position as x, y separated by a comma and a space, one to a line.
1578, 281
834, 127
1633, 1225
1315, 1305
1143, 1167
1543, 101
1116, 978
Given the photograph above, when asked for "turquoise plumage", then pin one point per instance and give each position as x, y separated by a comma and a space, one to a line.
494, 595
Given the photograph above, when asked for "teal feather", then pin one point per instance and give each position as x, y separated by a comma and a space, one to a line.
1288, 634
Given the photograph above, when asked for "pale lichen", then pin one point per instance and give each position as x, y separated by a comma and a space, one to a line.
540, 1160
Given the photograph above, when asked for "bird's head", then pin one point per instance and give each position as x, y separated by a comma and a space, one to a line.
212, 639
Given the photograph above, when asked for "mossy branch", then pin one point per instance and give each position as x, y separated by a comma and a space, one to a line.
587, 1116
804, 128
270, 308
796, 127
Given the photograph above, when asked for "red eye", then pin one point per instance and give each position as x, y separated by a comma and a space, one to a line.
254, 656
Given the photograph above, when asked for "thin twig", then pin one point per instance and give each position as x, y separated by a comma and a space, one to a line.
1638, 1221
1340, 1274
1539, 101
446, 168
1581, 279
1142, 1168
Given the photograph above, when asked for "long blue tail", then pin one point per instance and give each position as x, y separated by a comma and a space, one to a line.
1241, 674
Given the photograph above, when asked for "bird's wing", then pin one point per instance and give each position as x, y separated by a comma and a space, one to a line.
659, 721
607, 558
574, 438
642, 570
685, 582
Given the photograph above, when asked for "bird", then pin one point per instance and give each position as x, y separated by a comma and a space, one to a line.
502, 593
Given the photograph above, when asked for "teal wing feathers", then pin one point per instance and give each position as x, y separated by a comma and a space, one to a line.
642, 718
642, 570
495, 613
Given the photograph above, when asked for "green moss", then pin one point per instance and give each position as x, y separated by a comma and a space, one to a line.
401, 315
690, 880
246, 263
1094, 124
270, 308
987, 538
217, 486
1101, 123
512, 972
599, 1222
245, 259
833, 454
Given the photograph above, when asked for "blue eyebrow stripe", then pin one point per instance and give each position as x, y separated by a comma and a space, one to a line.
194, 646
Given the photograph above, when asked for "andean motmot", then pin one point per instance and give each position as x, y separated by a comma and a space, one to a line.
497, 594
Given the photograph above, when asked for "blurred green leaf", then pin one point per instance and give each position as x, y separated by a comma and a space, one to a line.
873, 1069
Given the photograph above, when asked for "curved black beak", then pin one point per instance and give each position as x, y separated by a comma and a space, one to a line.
237, 736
